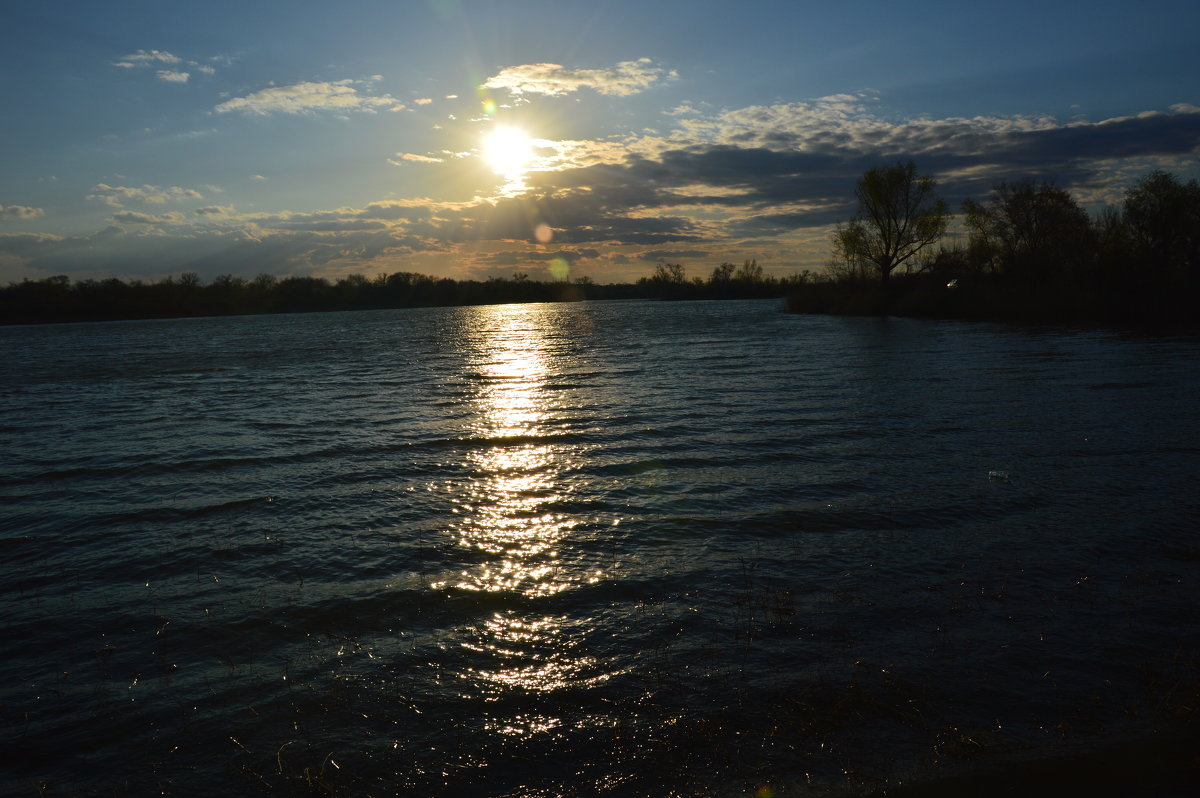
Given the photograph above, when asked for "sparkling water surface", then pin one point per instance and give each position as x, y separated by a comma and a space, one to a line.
626, 548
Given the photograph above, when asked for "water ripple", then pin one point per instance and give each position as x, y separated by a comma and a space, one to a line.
621, 548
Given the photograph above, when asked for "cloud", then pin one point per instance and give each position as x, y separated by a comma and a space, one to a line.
134, 217
800, 161
408, 156
238, 249
301, 98
675, 254
117, 196
19, 212
765, 181
145, 58
329, 225
160, 59
423, 101
627, 77
392, 209
524, 256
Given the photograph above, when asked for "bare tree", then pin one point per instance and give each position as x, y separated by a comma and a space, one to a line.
669, 273
899, 215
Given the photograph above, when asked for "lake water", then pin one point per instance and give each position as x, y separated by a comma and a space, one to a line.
627, 548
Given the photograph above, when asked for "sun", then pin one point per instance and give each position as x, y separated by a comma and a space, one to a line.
508, 150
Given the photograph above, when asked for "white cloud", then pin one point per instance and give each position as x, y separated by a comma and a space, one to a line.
627, 77
308, 97
117, 196
144, 58
258, 177
423, 101
168, 66
841, 123
19, 212
408, 156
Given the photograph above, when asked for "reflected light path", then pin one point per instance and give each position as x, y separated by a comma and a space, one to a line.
507, 518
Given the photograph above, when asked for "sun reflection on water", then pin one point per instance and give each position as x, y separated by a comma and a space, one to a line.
532, 653
507, 516
505, 510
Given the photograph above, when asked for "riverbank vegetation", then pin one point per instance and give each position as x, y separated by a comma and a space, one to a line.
1031, 252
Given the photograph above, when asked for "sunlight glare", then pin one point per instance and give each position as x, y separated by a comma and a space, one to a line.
508, 151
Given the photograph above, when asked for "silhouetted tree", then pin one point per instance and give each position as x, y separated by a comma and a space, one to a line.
262, 293
669, 273
226, 295
1115, 250
1163, 216
749, 272
899, 215
1034, 231
669, 281
722, 274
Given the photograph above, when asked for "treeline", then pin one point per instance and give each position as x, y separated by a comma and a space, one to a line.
727, 281
58, 299
1031, 252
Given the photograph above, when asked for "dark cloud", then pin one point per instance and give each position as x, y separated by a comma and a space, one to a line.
519, 258
776, 223
656, 255
1130, 137
966, 155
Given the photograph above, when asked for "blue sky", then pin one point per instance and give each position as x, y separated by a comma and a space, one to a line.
473, 139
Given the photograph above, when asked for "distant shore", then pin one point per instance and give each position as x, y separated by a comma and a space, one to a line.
59, 300
945, 293
990, 298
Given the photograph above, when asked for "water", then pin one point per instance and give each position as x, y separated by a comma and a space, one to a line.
627, 548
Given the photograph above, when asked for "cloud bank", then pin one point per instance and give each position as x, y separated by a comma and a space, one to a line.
746, 182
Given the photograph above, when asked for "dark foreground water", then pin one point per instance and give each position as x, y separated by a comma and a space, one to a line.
600, 548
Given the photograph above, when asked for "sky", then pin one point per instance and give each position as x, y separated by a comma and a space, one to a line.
479, 138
